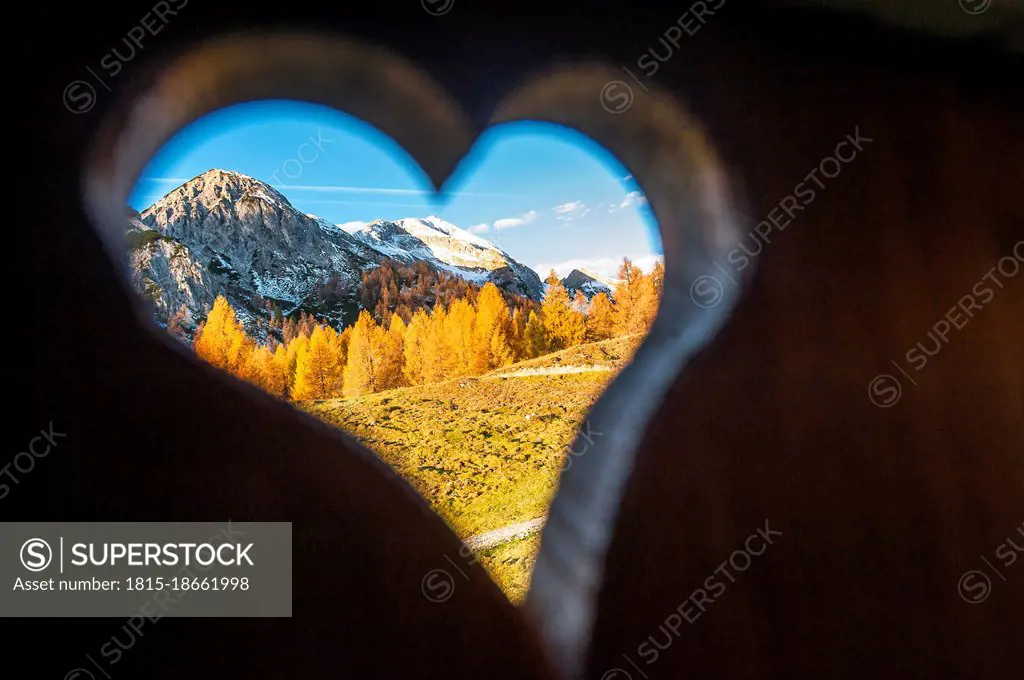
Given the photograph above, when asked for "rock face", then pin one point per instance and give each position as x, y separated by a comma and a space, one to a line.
590, 284
224, 233
168, 276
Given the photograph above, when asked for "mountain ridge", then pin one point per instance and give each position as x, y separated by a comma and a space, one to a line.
226, 233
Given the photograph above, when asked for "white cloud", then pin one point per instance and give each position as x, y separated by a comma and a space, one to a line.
571, 211
604, 266
510, 222
478, 229
351, 226
632, 198
570, 207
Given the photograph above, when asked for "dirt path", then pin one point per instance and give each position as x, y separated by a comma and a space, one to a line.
490, 539
550, 370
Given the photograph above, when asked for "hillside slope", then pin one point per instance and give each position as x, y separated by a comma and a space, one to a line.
610, 354
485, 451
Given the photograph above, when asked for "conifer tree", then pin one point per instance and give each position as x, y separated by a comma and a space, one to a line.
267, 371
580, 304
361, 369
438, 361
340, 342
658, 277
458, 338
336, 361
653, 291
380, 312
535, 337
490, 333
629, 299
253, 372
499, 351
296, 348
240, 353
277, 378
222, 341
415, 347
317, 370
392, 343
575, 331
306, 324
289, 329
601, 319
563, 325
517, 325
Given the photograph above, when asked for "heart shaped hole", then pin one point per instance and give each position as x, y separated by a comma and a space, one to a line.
462, 336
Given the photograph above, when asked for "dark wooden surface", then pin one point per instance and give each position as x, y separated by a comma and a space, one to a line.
882, 509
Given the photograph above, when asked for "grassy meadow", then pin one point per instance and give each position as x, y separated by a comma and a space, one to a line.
510, 564
486, 451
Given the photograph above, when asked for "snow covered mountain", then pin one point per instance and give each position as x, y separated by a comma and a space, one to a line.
588, 282
225, 233
450, 249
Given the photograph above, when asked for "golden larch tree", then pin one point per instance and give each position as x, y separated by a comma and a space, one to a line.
340, 344
499, 351
318, 373
490, 333
255, 371
392, 354
296, 348
601, 318
564, 326
438, 360
277, 377
658, 277
653, 291
213, 338
580, 303
516, 335
268, 370
222, 340
535, 337
630, 298
458, 337
361, 369
415, 347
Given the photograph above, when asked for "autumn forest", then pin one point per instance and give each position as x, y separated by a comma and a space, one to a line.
418, 327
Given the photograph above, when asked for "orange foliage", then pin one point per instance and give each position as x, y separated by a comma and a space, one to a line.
466, 334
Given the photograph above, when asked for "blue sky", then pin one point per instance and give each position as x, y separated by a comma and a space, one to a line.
546, 195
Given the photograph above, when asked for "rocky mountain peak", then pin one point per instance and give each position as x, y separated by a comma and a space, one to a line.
589, 283
219, 187
225, 233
